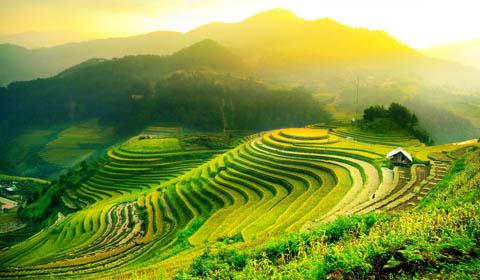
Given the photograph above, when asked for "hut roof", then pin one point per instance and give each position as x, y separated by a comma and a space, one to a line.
400, 150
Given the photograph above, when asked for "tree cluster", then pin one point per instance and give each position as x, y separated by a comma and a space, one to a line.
50, 202
400, 115
134, 91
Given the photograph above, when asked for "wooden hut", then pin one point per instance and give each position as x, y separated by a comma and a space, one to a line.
399, 156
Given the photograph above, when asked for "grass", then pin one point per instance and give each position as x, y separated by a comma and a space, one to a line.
422, 154
18, 178
76, 143
152, 145
4, 200
30, 141
45, 153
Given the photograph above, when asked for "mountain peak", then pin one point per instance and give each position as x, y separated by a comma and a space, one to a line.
274, 15
208, 53
206, 45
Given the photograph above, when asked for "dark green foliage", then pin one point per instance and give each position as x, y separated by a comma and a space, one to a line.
143, 215
422, 135
210, 141
236, 238
402, 115
396, 112
215, 263
343, 227
375, 112
377, 118
194, 88
184, 234
460, 186
446, 115
50, 202
348, 226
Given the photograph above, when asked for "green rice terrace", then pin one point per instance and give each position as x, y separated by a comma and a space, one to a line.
158, 203
45, 152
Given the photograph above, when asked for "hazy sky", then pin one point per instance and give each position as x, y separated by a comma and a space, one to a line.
419, 23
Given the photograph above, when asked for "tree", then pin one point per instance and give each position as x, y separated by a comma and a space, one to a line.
400, 114
374, 112
414, 121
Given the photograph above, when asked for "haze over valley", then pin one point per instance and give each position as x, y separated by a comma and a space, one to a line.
265, 146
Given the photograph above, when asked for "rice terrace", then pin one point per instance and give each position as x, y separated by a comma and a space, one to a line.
271, 147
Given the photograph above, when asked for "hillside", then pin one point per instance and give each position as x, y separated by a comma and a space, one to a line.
278, 38
149, 210
39, 39
200, 87
467, 53
449, 114
280, 48
436, 240
24, 64
272, 43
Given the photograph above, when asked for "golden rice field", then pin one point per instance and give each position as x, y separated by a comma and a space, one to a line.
151, 208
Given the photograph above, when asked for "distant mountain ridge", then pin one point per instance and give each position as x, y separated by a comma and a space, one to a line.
273, 43
467, 53
105, 89
32, 40
23, 64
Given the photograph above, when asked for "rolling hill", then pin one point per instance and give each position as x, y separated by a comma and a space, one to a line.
39, 39
275, 44
24, 64
201, 87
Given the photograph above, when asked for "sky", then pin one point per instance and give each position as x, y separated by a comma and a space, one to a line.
418, 23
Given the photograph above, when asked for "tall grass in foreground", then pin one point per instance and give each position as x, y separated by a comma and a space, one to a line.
440, 238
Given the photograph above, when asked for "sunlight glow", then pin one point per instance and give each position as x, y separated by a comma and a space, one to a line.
418, 23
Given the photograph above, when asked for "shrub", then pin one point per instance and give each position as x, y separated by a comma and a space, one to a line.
184, 234
219, 262
376, 118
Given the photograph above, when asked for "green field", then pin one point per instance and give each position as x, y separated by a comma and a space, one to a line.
76, 143
45, 153
153, 145
156, 204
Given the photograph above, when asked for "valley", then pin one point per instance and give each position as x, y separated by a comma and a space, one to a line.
239, 140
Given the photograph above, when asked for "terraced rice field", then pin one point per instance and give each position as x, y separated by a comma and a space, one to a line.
131, 169
156, 211
76, 143
162, 131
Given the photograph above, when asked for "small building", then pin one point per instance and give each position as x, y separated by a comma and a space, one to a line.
399, 156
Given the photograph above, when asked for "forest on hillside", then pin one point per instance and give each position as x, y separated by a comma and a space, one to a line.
196, 88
